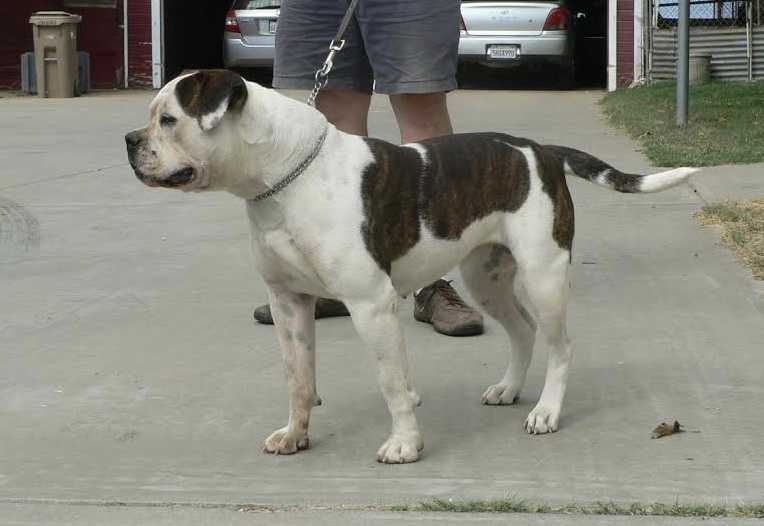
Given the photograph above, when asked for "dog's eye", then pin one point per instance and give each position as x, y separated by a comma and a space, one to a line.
167, 120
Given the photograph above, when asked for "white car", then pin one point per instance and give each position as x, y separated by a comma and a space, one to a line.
505, 34
249, 39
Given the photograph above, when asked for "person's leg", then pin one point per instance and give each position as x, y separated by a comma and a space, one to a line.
413, 51
421, 115
305, 29
347, 110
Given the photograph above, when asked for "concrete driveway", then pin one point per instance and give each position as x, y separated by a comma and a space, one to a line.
131, 371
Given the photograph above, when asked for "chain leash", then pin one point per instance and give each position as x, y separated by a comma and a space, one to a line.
322, 73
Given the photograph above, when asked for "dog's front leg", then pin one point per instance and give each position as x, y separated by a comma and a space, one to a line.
377, 323
293, 315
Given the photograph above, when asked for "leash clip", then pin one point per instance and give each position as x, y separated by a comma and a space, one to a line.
335, 46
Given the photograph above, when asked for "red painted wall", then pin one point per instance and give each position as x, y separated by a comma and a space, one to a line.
100, 35
16, 36
139, 43
625, 42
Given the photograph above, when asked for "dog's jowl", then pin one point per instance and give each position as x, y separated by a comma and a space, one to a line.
366, 222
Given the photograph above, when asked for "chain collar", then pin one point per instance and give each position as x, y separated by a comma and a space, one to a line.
297, 172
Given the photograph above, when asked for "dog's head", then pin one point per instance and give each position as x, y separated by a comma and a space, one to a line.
188, 122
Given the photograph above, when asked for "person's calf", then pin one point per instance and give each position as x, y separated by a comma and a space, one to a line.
347, 110
421, 116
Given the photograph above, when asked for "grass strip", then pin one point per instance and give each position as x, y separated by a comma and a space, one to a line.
725, 125
514, 505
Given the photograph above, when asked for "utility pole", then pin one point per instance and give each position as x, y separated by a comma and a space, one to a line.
683, 63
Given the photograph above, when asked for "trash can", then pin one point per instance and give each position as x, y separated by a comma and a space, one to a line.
55, 47
700, 68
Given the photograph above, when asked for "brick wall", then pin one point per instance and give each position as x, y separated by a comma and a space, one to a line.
625, 42
98, 34
139, 43
16, 36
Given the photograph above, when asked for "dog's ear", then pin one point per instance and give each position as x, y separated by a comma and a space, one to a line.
208, 95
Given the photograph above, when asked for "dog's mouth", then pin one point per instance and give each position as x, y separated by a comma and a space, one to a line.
176, 179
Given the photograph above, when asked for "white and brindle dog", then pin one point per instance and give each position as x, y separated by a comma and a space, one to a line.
368, 222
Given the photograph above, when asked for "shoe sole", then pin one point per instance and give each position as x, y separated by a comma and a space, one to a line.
269, 321
470, 329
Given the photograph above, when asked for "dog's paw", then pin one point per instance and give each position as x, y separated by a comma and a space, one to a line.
286, 442
542, 420
400, 450
500, 394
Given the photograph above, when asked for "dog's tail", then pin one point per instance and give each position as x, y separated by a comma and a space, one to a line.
588, 167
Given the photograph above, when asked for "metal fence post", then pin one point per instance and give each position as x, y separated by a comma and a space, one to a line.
749, 37
683, 63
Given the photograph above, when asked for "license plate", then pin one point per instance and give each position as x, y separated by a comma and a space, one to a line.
272, 25
503, 52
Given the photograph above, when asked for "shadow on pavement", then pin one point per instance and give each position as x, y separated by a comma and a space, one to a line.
476, 77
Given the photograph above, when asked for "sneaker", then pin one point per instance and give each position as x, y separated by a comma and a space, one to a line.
440, 305
325, 308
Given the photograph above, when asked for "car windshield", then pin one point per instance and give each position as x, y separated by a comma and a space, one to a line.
258, 4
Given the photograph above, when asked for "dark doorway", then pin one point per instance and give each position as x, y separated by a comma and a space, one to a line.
193, 35
591, 41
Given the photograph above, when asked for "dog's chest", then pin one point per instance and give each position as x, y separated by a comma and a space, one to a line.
284, 259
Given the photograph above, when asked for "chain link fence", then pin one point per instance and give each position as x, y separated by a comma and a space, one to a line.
712, 13
730, 32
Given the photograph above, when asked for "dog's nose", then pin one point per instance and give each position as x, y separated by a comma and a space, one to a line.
133, 140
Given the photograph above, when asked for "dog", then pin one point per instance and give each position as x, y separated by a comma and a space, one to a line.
367, 222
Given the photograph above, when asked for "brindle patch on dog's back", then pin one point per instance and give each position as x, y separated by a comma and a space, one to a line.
468, 177
462, 179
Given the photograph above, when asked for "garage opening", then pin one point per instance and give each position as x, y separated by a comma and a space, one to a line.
193, 39
591, 42
193, 35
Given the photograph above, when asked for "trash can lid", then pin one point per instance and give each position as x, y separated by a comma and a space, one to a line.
54, 18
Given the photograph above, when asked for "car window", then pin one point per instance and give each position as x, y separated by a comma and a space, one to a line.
258, 4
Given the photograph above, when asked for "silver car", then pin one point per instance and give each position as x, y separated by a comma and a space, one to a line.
507, 34
250, 33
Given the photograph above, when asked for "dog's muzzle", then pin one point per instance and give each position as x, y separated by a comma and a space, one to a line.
179, 178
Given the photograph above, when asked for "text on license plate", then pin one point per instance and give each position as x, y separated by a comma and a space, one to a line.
272, 25
502, 52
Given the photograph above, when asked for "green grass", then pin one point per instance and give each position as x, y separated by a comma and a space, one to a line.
725, 125
513, 505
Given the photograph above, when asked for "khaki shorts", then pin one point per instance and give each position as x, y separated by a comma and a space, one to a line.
392, 46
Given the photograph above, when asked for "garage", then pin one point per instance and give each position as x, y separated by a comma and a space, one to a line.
605, 40
136, 43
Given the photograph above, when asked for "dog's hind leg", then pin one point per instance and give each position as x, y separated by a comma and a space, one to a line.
376, 319
293, 315
489, 274
543, 271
